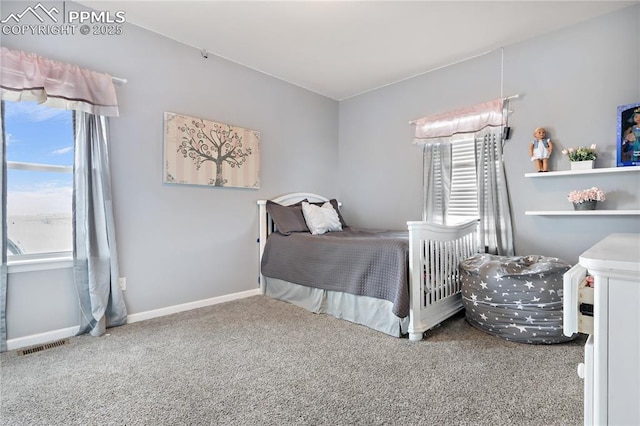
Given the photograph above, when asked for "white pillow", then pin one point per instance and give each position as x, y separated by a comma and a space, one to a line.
321, 219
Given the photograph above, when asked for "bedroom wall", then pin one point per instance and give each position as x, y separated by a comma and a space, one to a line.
179, 244
571, 82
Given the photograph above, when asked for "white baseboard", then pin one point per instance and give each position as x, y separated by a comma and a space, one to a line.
189, 306
63, 333
38, 339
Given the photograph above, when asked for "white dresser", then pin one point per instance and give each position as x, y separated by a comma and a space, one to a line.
611, 317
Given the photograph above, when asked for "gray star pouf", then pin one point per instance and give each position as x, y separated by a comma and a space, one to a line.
516, 298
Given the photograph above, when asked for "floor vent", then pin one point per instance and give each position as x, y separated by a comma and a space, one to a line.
43, 347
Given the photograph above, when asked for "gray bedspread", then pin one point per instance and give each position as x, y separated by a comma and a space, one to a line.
358, 261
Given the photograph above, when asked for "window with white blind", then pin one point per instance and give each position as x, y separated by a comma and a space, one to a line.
463, 200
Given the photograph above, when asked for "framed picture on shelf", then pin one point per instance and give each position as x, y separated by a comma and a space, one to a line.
628, 141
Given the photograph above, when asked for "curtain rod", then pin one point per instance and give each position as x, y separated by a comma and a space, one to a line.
116, 80
508, 98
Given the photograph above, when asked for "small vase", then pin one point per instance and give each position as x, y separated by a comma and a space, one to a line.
587, 205
582, 165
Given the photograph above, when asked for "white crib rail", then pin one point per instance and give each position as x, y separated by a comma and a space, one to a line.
434, 285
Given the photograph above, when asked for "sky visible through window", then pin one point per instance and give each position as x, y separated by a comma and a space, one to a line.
42, 135
39, 203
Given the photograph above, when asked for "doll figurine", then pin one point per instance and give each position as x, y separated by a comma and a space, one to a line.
540, 149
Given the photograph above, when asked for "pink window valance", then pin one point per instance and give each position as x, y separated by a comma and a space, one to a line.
29, 77
464, 120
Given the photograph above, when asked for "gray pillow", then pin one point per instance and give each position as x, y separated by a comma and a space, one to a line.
287, 219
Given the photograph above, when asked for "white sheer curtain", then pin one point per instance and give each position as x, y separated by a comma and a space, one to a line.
27, 76
436, 132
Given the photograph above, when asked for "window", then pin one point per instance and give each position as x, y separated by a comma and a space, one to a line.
39, 151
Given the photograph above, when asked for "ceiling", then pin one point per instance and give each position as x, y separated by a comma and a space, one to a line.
340, 49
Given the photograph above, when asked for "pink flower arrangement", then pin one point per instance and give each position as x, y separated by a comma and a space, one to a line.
581, 196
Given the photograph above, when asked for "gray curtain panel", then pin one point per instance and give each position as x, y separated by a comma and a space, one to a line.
496, 229
95, 256
3, 245
436, 180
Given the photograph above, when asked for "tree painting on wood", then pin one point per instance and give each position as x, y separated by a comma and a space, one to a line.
204, 152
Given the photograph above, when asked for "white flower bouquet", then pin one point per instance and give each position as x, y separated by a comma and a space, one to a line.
586, 195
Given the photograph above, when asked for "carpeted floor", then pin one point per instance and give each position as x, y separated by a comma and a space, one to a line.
258, 361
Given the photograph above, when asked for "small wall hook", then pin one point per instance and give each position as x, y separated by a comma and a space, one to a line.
204, 53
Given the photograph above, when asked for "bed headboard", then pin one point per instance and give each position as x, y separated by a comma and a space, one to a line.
266, 224
294, 197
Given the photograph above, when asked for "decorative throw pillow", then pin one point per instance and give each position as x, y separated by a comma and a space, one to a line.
321, 219
336, 207
287, 219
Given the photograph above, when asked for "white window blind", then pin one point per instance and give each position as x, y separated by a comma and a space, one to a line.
463, 201
436, 189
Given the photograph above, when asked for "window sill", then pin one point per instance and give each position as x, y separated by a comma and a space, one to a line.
52, 261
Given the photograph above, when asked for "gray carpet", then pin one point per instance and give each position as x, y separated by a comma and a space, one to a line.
258, 361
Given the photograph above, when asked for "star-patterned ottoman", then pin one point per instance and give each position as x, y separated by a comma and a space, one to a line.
516, 298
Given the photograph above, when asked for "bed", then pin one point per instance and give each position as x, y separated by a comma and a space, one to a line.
395, 282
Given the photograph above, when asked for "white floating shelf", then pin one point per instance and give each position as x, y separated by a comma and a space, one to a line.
583, 172
582, 212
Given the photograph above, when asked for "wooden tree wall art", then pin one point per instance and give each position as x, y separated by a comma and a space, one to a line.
204, 152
